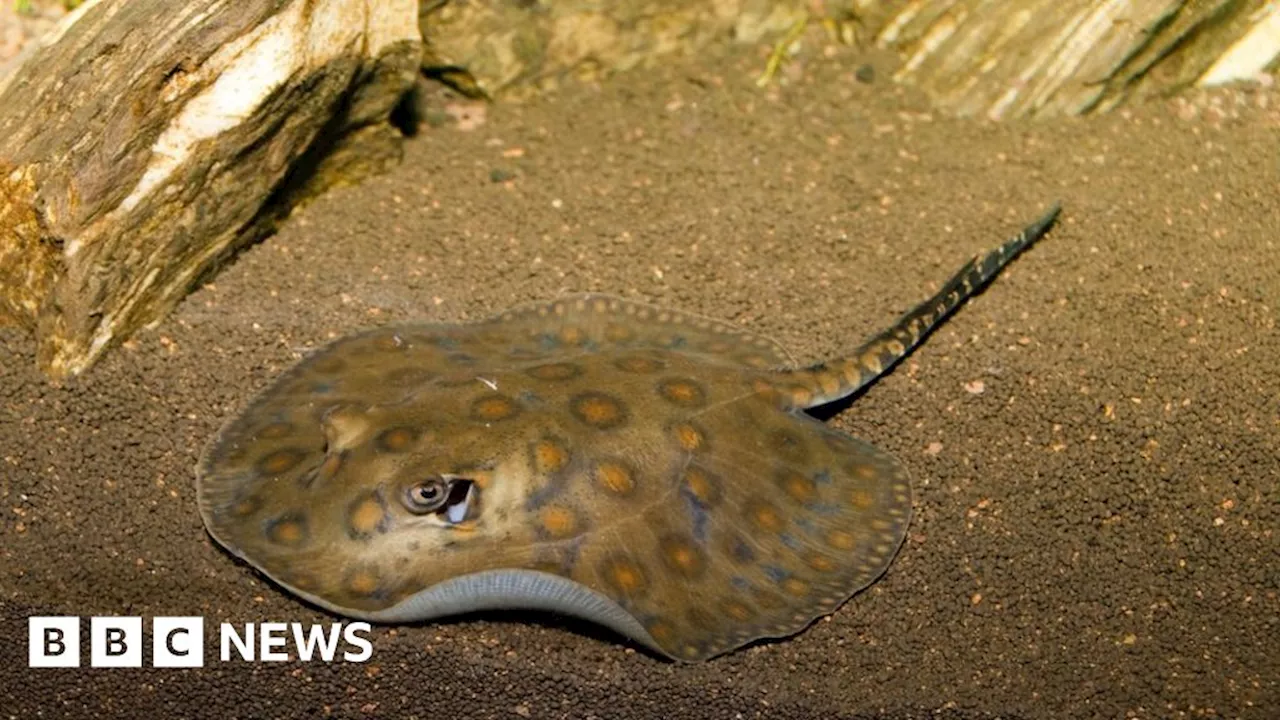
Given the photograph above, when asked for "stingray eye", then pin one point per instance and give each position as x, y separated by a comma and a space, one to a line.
427, 496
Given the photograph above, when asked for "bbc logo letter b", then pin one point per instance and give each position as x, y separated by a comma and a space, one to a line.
53, 642
115, 642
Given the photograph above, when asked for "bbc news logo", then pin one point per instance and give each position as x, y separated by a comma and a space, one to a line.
178, 642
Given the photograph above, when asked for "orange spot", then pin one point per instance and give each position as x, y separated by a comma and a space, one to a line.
572, 335
765, 516
624, 575
702, 486
800, 396
362, 582
493, 407
365, 516
798, 487
555, 371
279, 461
690, 437
871, 360
247, 506
861, 499
864, 472
682, 392
829, 383
396, 439
616, 477
599, 410
661, 631
841, 540
615, 332
765, 389
275, 431
737, 610
682, 556
756, 361
558, 521
851, 374
329, 467
796, 586
550, 456
287, 532
821, 563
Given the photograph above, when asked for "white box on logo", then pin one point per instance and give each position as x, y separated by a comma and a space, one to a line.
177, 642
53, 641
115, 642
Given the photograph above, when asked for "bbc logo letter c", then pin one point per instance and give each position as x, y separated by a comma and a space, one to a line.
177, 642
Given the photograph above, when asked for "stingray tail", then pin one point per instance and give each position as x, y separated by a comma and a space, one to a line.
841, 377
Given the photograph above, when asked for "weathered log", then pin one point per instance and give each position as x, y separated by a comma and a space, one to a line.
972, 57
148, 141
143, 145
1072, 57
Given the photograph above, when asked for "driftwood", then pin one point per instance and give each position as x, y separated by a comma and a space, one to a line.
1073, 57
1007, 59
148, 141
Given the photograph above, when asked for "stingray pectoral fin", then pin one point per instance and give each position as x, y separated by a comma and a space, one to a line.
507, 589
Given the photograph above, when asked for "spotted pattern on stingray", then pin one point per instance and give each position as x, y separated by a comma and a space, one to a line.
683, 392
638, 466
289, 529
624, 576
493, 407
280, 461
396, 439
367, 515
555, 371
616, 476
599, 410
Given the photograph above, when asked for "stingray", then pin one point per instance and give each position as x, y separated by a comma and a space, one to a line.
641, 468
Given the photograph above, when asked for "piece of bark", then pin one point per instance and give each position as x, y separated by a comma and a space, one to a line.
147, 142
1018, 58
1039, 58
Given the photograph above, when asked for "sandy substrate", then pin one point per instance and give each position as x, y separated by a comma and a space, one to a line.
1095, 441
